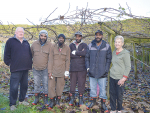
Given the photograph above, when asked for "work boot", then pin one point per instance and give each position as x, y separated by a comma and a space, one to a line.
58, 100
103, 105
36, 99
72, 96
93, 102
80, 99
45, 99
52, 103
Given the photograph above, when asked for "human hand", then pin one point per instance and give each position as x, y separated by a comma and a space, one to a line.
66, 73
121, 81
50, 76
66, 77
88, 69
73, 52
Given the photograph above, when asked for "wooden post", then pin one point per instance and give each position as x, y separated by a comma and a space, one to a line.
108, 96
108, 38
111, 42
143, 59
134, 60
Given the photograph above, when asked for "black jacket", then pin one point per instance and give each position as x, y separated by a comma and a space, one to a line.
98, 61
17, 55
77, 61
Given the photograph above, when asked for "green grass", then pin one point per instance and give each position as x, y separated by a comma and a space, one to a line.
4, 103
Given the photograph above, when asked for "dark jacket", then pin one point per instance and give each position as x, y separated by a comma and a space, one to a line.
17, 55
77, 62
98, 61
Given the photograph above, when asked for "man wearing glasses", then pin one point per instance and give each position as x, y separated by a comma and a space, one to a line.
40, 53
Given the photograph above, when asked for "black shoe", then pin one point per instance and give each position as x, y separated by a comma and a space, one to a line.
45, 99
103, 105
80, 99
37, 95
72, 96
52, 103
93, 102
58, 100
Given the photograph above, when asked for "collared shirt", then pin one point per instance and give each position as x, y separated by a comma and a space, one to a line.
98, 47
42, 44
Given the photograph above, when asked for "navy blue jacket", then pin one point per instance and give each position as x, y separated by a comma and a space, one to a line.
98, 61
77, 61
17, 55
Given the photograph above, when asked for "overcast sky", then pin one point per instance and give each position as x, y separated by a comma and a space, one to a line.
16, 11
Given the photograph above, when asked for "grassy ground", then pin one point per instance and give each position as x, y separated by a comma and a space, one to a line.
4, 107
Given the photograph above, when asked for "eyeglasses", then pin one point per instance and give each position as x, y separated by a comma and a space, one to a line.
43, 35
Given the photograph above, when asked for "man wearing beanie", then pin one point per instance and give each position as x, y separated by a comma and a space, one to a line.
40, 52
98, 60
77, 68
58, 69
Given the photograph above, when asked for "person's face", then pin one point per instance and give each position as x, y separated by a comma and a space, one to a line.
19, 33
78, 38
61, 40
118, 43
43, 37
98, 37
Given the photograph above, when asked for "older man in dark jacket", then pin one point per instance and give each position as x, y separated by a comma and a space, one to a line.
77, 67
98, 60
18, 56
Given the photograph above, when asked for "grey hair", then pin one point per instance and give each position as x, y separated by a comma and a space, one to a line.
19, 28
120, 37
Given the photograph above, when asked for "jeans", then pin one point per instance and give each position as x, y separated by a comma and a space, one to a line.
102, 86
16, 78
38, 76
116, 93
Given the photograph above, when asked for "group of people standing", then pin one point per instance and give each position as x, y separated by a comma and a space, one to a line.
53, 63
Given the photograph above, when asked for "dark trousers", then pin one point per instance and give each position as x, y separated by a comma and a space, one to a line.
116, 94
79, 76
16, 78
